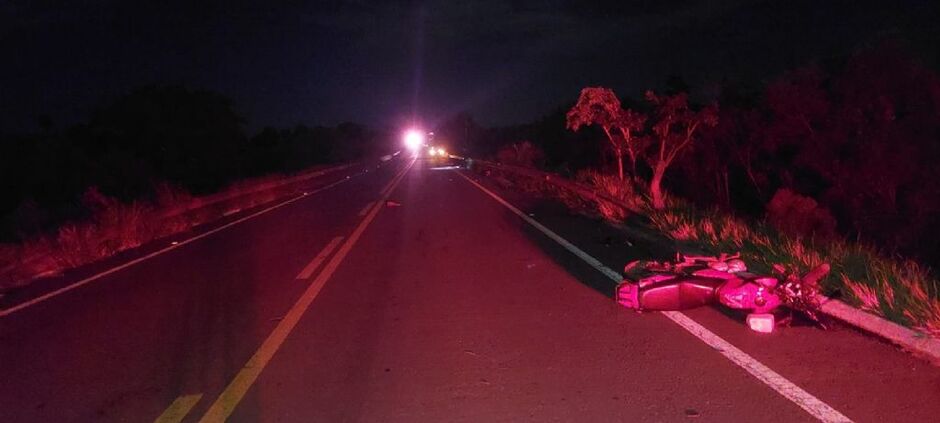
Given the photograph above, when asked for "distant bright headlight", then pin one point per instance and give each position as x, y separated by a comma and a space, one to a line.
413, 139
441, 151
432, 152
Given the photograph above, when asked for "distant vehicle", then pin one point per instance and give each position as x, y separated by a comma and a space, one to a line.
437, 152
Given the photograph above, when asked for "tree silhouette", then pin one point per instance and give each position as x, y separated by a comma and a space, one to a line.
674, 131
600, 106
187, 137
630, 124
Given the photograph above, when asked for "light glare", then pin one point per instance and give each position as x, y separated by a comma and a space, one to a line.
413, 139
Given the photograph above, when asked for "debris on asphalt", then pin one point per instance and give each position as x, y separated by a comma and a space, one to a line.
391, 203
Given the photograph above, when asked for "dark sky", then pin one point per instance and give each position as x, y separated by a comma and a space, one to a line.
376, 61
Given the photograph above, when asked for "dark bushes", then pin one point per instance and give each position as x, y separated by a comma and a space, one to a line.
796, 215
191, 140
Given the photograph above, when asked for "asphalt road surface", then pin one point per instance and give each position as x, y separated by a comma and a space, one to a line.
409, 293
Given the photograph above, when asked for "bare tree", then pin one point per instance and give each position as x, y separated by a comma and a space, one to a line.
600, 106
630, 124
673, 131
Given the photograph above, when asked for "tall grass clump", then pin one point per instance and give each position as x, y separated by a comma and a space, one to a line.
626, 192
904, 292
111, 226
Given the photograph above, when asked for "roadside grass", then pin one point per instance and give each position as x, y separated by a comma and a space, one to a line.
114, 226
611, 185
902, 291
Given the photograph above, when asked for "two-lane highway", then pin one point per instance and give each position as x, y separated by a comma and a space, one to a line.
408, 294
124, 347
446, 310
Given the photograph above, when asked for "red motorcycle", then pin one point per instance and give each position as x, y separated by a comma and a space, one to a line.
694, 281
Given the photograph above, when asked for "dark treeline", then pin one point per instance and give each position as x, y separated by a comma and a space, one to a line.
859, 135
564, 151
189, 139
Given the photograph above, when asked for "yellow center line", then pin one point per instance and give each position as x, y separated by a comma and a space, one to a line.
315, 263
388, 187
223, 406
173, 246
178, 409
366, 209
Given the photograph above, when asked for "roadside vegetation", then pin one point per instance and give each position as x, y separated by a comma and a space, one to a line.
901, 290
78, 194
834, 162
114, 226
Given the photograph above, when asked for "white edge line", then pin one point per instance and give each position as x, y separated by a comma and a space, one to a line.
915, 342
60, 291
315, 263
812, 405
775, 381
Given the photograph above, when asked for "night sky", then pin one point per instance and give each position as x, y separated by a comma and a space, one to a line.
379, 62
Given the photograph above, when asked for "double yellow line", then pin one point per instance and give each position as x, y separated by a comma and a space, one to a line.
225, 404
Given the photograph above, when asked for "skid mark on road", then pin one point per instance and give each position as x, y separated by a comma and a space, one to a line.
805, 400
225, 404
178, 410
315, 263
